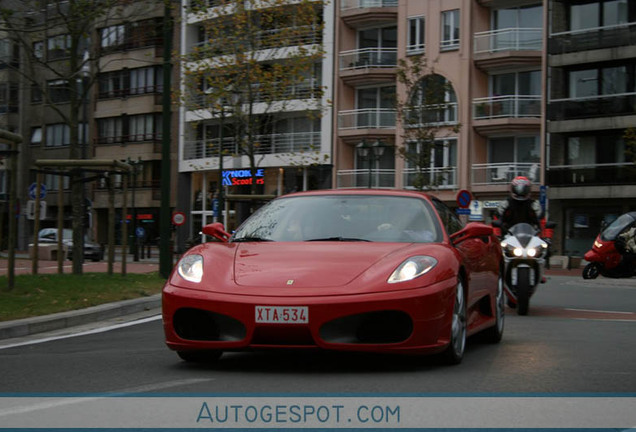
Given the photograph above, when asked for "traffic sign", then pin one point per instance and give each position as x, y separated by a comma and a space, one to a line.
462, 211
178, 218
32, 189
140, 232
476, 211
463, 198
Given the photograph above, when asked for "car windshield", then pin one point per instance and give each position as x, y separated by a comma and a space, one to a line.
342, 218
615, 228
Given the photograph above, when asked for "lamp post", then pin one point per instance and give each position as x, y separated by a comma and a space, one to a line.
135, 243
371, 152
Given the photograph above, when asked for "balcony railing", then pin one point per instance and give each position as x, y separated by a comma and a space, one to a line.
361, 4
515, 106
434, 178
364, 178
431, 115
368, 58
592, 175
267, 144
510, 39
277, 38
592, 38
371, 118
503, 173
592, 106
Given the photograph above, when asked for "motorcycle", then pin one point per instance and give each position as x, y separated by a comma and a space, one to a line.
609, 256
525, 254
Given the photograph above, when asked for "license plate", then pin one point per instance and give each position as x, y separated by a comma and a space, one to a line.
282, 314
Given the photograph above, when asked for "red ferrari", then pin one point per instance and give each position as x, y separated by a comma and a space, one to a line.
364, 270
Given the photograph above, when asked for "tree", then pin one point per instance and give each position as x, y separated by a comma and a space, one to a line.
61, 60
254, 59
428, 113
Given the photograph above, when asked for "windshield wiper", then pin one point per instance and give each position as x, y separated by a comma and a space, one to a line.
251, 239
341, 239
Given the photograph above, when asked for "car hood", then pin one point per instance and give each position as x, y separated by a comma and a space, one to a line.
308, 264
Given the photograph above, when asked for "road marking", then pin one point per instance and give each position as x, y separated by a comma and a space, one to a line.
584, 314
600, 311
75, 400
84, 333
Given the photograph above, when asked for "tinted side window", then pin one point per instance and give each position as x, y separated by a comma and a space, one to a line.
449, 219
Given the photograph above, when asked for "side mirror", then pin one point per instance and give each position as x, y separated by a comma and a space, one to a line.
216, 230
472, 230
497, 223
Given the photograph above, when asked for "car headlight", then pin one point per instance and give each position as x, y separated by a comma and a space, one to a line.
411, 268
191, 268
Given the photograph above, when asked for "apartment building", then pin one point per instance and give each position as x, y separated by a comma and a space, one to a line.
591, 105
291, 148
119, 118
490, 54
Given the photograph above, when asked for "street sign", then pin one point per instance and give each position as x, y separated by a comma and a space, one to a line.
140, 232
32, 189
178, 218
476, 211
30, 210
463, 198
462, 211
543, 196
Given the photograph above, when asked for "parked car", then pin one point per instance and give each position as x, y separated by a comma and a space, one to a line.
373, 271
92, 250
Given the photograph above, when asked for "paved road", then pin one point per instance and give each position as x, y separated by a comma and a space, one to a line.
561, 346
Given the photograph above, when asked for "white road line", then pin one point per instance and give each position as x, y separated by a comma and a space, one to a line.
600, 311
87, 332
75, 400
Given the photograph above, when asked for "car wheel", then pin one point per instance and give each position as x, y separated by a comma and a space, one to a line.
591, 271
455, 351
208, 356
495, 333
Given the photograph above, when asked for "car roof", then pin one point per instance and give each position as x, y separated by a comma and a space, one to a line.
361, 192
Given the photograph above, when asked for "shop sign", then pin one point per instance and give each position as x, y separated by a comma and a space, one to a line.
243, 177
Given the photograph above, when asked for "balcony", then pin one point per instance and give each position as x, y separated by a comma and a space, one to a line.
267, 144
435, 178
369, 118
439, 115
592, 107
591, 175
503, 173
498, 49
368, 65
362, 13
592, 39
511, 113
365, 178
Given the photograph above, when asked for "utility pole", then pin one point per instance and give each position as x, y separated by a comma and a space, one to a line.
165, 232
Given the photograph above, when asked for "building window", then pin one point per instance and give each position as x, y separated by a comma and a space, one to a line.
52, 182
59, 91
137, 34
613, 80
416, 36
146, 80
36, 94
145, 127
113, 36
450, 30
36, 136
38, 50
433, 102
516, 83
57, 135
8, 98
58, 47
603, 13
110, 130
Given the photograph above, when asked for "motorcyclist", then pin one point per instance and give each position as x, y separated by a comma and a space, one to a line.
518, 207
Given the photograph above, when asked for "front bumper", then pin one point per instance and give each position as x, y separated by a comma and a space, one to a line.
411, 321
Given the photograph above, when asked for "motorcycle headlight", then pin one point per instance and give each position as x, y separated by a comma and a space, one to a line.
411, 268
533, 252
191, 268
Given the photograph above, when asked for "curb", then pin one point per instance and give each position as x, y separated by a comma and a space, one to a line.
29, 326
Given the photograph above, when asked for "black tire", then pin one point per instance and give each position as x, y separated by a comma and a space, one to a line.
495, 333
454, 353
591, 271
523, 290
209, 356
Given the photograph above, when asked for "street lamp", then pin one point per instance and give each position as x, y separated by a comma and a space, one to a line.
371, 152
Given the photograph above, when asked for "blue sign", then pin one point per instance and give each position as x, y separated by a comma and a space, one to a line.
215, 207
543, 196
243, 177
32, 189
140, 232
462, 211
